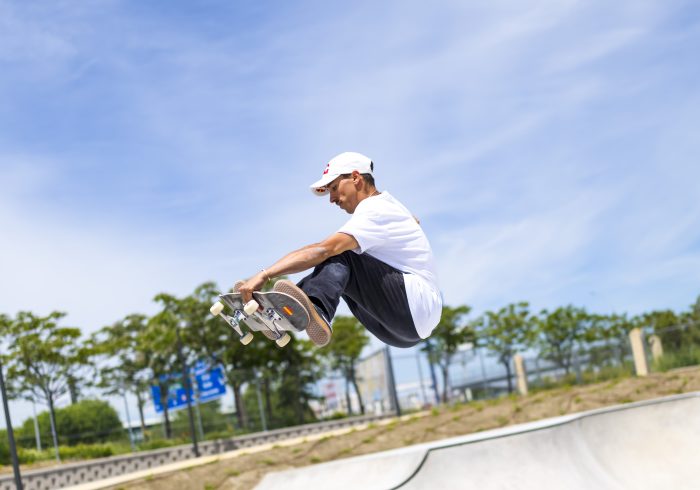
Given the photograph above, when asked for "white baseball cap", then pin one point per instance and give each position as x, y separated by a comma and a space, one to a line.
345, 163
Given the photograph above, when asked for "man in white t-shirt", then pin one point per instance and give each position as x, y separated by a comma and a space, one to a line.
380, 262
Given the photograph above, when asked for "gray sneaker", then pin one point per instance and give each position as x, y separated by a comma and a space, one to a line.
319, 329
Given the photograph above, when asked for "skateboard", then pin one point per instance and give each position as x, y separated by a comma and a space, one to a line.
270, 312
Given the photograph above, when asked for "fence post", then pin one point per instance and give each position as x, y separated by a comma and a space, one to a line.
640, 359
657, 350
520, 373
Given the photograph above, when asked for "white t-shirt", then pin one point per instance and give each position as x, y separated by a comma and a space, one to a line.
387, 231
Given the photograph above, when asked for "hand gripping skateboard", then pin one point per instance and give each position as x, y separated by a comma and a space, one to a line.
270, 312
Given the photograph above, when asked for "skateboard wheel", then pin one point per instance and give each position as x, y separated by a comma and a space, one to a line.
216, 308
283, 340
247, 338
251, 307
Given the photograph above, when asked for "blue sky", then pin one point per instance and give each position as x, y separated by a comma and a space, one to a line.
549, 147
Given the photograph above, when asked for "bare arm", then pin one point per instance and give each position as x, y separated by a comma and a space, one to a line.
300, 260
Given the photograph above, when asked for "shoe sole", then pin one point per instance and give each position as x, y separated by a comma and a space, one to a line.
266, 333
318, 330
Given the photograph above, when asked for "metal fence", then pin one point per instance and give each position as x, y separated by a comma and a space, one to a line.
77, 473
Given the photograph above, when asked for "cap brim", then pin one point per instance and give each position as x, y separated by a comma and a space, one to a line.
319, 188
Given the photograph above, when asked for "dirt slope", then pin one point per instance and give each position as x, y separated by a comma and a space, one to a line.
245, 472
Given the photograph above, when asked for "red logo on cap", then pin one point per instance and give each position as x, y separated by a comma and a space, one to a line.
327, 167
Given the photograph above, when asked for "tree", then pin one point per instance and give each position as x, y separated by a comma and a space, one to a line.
448, 336
691, 321
561, 331
124, 368
158, 349
506, 332
294, 370
349, 340
42, 355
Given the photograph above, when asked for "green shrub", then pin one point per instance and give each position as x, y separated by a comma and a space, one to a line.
85, 451
88, 421
337, 416
28, 456
160, 444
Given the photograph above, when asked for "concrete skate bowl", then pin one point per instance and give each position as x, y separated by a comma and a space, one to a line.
646, 445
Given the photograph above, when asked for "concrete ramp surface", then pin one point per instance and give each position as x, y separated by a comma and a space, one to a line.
647, 445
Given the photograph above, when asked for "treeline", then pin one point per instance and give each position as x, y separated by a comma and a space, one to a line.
46, 360
560, 335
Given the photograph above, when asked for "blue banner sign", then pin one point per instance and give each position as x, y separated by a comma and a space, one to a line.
210, 386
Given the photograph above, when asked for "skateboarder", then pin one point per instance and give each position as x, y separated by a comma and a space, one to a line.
379, 262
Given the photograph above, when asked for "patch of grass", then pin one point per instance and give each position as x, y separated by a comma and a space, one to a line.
315, 459
233, 473
435, 412
493, 402
209, 486
368, 440
688, 356
268, 462
501, 420
296, 450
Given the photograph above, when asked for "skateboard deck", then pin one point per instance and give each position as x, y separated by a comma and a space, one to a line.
272, 313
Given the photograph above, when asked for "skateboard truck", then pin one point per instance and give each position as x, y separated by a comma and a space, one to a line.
282, 338
234, 321
249, 309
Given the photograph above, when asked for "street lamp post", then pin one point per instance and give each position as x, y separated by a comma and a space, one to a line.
188, 390
392, 382
433, 378
10, 433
